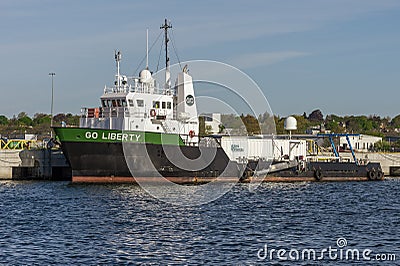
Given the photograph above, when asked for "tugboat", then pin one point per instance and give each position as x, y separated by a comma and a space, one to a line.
147, 130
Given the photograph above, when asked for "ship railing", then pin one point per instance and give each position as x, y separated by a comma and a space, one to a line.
140, 87
122, 89
17, 144
318, 158
150, 88
104, 112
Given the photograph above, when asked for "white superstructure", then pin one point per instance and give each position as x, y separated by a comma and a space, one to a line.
141, 104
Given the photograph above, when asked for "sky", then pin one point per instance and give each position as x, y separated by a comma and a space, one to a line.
339, 56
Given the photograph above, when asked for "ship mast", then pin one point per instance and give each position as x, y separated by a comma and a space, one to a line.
147, 49
117, 59
165, 27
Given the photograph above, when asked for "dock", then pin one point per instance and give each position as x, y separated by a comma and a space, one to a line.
22, 160
390, 161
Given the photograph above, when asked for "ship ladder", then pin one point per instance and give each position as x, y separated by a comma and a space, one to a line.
165, 127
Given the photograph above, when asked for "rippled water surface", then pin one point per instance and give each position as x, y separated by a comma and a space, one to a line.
62, 223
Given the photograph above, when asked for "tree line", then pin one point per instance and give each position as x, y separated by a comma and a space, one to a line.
385, 127
316, 121
372, 125
39, 124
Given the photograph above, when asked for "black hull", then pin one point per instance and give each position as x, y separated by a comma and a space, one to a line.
326, 171
113, 162
108, 162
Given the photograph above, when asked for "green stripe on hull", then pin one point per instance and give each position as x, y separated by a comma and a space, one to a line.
72, 134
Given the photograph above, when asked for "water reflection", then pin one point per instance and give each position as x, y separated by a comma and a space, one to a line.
56, 222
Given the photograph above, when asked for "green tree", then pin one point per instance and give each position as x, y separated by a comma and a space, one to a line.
40, 118
395, 122
382, 145
365, 123
3, 120
231, 121
251, 124
72, 119
316, 116
303, 124
24, 119
22, 115
58, 118
279, 124
334, 126
397, 144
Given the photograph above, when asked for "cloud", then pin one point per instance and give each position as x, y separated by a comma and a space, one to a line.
76, 39
265, 58
264, 18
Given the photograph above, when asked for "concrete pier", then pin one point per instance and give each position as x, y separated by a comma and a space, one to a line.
8, 160
387, 160
40, 164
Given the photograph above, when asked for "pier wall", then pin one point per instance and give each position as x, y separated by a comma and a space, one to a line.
387, 160
8, 160
41, 164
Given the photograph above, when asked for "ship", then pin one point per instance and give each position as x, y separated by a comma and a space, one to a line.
145, 130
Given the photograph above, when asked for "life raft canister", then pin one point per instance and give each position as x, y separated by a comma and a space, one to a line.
191, 133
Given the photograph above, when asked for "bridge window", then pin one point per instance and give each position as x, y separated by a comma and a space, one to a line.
156, 104
168, 105
163, 105
140, 103
123, 103
130, 101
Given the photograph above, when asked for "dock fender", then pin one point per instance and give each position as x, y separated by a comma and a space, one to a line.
318, 174
380, 175
246, 175
372, 174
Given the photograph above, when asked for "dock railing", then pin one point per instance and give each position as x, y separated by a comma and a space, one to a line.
16, 144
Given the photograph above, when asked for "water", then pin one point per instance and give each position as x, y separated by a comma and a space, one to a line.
62, 223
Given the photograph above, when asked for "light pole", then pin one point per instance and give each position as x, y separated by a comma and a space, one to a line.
52, 74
